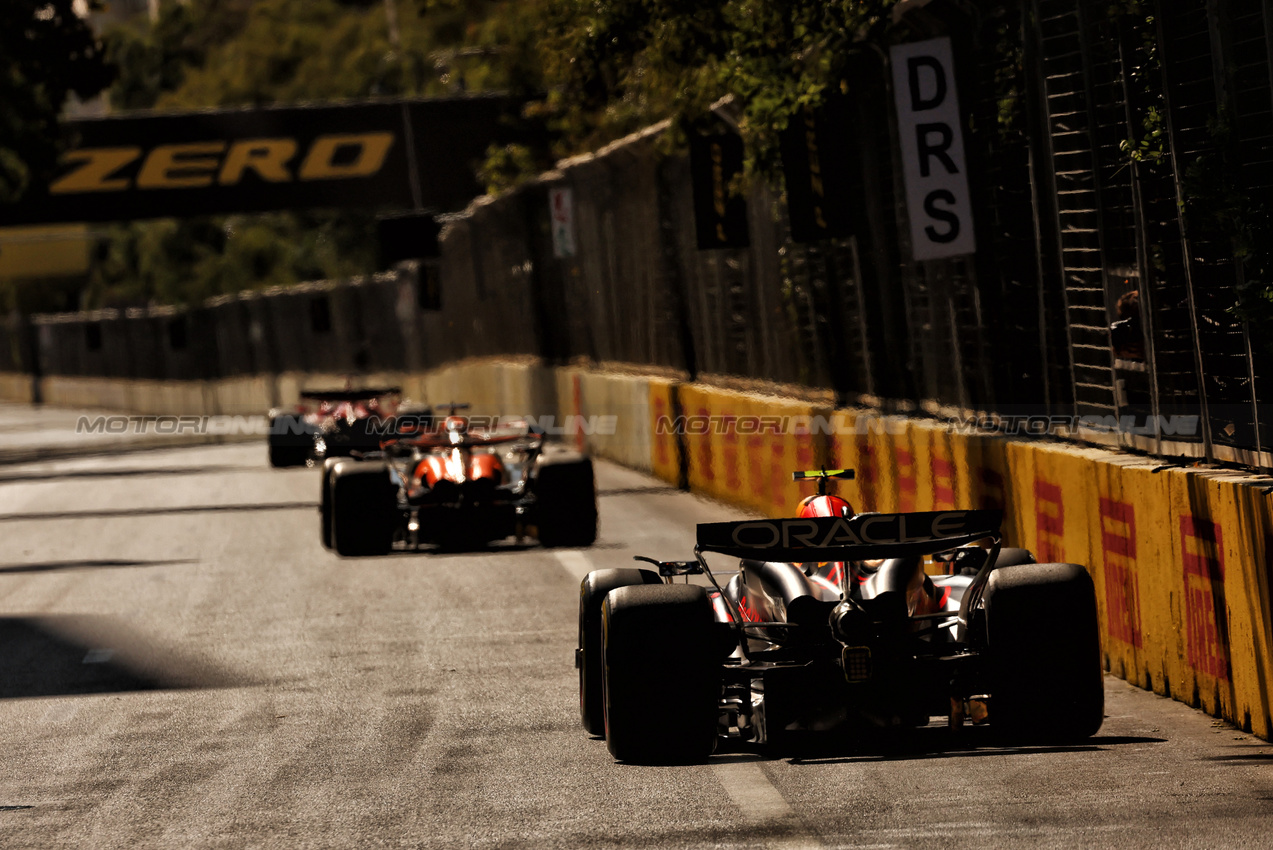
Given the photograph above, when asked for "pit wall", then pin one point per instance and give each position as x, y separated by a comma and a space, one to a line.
1179, 556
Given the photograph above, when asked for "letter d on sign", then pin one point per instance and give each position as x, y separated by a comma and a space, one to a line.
932, 142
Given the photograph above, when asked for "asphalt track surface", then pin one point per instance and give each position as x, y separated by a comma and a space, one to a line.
183, 665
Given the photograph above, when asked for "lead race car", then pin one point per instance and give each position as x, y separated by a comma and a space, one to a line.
333, 423
457, 485
832, 627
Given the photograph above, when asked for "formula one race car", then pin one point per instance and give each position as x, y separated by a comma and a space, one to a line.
458, 486
831, 628
332, 423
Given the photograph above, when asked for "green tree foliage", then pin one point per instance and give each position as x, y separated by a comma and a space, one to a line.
170, 261
610, 67
615, 65
47, 53
227, 53
154, 59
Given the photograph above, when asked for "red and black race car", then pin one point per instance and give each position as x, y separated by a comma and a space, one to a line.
332, 423
831, 627
457, 485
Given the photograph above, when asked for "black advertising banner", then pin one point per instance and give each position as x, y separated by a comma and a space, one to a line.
410, 236
817, 162
720, 218
451, 137
390, 155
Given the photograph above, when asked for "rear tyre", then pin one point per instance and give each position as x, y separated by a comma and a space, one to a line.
364, 509
592, 593
325, 501
1043, 643
290, 441
566, 500
661, 682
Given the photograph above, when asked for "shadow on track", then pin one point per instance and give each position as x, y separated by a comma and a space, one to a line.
113, 449
639, 491
65, 655
59, 566
497, 547
469, 550
940, 743
140, 472
931, 742
140, 512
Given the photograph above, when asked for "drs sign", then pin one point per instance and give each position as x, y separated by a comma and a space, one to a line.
932, 149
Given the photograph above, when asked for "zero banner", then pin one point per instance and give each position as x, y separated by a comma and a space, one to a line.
410, 154
932, 143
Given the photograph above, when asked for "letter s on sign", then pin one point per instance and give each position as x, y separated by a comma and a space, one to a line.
949, 216
320, 163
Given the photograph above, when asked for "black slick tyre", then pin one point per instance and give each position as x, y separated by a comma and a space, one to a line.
566, 500
289, 441
1043, 643
364, 509
662, 680
325, 502
592, 593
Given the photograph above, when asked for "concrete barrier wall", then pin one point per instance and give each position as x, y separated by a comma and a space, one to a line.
608, 413
15, 386
1180, 556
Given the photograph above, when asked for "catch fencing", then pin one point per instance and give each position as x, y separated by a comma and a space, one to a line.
1111, 149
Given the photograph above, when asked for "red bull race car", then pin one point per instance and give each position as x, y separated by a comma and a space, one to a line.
332, 423
831, 627
461, 484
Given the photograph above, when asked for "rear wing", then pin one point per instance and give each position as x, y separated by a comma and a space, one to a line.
350, 395
859, 538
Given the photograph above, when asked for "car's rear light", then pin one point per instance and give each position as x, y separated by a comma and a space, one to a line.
857, 663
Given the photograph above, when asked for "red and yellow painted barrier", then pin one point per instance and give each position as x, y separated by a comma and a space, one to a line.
665, 456
743, 447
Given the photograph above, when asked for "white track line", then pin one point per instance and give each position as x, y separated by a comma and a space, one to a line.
576, 563
758, 802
